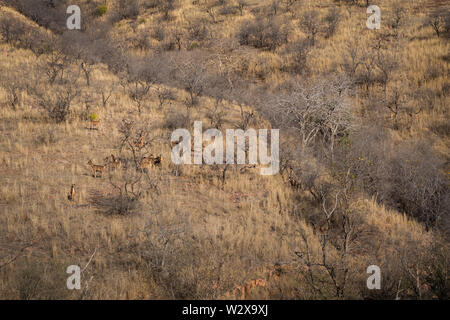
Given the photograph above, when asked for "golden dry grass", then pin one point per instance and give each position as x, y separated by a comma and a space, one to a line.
230, 233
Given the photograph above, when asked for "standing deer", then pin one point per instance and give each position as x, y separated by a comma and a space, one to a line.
96, 168
150, 161
93, 124
113, 163
71, 195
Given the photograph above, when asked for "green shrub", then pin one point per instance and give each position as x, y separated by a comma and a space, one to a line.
194, 45
100, 11
93, 116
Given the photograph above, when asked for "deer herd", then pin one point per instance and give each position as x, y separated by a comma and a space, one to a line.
272, 276
113, 163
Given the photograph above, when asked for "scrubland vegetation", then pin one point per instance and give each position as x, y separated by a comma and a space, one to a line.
364, 124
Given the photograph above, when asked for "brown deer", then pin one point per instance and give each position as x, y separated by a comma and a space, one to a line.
294, 183
96, 168
127, 124
71, 195
139, 143
116, 163
244, 291
93, 124
113, 163
323, 228
247, 168
150, 161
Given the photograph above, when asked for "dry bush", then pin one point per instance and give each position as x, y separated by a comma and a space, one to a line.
437, 21
135, 141
418, 188
166, 7
127, 9
40, 281
174, 119
263, 33
130, 186
332, 20
297, 56
406, 177
396, 19
13, 88
189, 73
45, 13
140, 78
310, 24
165, 95
197, 30
58, 101
83, 49
54, 64
313, 111
12, 28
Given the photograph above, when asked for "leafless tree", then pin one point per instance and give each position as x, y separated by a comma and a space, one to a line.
395, 102
336, 237
164, 95
366, 76
298, 52
138, 81
315, 109
14, 257
289, 5
167, 6
395, 19
130, 187
310, 24
12, 29
387, 63
197, 29
191, 75
54, 65
437, 21
332, 21
178, 36
58, 101
13, 86
106, 93
137, 90
136, 142
83, 50
352, 59
241, 6
265, 33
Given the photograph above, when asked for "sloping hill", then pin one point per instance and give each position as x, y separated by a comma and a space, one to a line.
220, 231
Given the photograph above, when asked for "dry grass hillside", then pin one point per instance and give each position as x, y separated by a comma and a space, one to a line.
138, 70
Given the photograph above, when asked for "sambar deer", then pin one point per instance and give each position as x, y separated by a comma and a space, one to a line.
113, 163
150, 161
71, 195
96, 168
93, 124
